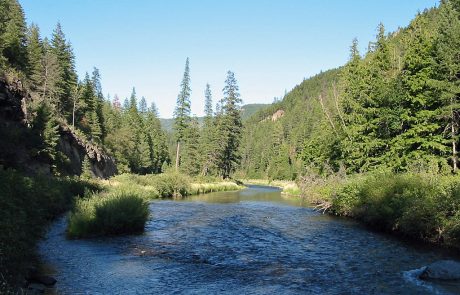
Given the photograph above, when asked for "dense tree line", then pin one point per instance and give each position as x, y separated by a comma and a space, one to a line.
46, 67
395, 107
213, 148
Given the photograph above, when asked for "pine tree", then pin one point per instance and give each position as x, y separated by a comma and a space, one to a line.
208, 112
208, 138
86, 171
421, 139
182, 111
45, 125
230, 128
158, 147
51, 73
447, 72
143, 106
13, 34
191, 150
99, 101
68, 77
35, 55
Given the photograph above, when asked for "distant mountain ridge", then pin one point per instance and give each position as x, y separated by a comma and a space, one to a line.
246, 111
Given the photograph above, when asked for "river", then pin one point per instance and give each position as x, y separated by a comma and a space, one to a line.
254, 241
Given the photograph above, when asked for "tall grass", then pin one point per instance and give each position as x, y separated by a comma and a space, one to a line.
204, 188
418, 205
108, 214
167, 185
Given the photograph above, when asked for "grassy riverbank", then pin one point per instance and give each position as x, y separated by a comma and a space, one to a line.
288, 187
122, 207
417, 205
27, 206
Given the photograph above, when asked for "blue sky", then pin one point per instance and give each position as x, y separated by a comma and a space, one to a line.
270, 45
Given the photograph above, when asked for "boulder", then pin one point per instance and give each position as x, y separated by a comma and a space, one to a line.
446, 270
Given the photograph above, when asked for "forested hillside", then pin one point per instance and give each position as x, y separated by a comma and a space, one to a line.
396, 107
54, 99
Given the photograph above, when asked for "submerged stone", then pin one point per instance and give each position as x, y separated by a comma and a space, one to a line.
442, 270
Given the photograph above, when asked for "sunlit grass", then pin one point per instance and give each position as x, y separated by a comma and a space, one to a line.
108, 214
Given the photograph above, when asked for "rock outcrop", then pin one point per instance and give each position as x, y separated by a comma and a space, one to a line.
75, 148
14, 151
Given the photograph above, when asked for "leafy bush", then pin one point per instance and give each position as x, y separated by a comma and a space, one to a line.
111, 214
419, 205
172, 185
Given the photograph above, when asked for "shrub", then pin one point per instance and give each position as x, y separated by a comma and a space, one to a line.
172, 185
111, 214
419, 205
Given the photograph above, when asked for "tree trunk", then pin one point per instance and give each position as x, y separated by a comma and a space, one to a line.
73, 113
177, 155
454, 149
454, 144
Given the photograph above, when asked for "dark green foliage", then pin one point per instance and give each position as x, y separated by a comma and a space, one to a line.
12, 35
27, 205
46, 128
422, 206
86, 172
172, 184
67, 75
191, 153
182, 111
229, 127
395, 107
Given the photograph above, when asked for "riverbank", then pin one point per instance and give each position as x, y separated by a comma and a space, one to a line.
420, 206
287, 186
28, 204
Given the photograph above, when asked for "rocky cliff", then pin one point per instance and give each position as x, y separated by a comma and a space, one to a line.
17, 151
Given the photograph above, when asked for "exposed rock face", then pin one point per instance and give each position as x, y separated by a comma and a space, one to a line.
278, 114
442, 270
14, 117
102, 165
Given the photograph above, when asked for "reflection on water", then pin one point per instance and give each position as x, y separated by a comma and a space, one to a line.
254, 241
254, 193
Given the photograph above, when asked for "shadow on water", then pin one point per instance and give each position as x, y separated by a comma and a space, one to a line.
254, 241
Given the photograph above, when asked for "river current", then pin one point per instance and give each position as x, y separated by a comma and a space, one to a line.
254, 241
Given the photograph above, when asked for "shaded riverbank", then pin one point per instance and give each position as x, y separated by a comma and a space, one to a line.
253, 241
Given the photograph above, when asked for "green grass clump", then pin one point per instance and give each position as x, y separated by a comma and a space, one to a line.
204, 188
167, 185
111, 214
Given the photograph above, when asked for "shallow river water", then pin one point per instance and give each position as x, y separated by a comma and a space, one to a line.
255, 241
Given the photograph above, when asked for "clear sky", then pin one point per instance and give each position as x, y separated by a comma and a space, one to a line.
270, 45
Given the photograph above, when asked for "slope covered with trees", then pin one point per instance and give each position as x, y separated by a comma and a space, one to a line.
45, 68
394, 107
